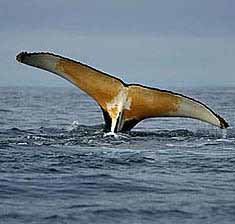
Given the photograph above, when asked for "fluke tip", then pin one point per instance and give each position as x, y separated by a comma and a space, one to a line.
20, 56
223, 123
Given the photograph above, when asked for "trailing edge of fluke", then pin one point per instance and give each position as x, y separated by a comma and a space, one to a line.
123, 105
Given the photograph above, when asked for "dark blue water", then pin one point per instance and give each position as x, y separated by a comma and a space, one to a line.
57, 167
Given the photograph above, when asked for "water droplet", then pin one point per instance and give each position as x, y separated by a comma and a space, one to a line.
224, 133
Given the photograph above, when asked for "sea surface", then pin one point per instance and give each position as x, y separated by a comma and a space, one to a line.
56, 166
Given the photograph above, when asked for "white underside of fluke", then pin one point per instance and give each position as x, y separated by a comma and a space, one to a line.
115, 109
190, 108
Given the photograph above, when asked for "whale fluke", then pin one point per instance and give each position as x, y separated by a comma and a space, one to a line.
123, 105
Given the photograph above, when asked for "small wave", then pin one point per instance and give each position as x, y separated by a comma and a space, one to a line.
11, 215
5, 111
82, 206
121, 211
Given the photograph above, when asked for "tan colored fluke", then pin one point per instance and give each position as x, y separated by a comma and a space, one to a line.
123, 105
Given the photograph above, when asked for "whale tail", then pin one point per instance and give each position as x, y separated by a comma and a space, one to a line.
123, 105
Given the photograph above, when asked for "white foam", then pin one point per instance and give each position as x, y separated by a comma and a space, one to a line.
116, 135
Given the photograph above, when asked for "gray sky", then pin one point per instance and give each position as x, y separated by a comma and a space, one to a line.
155, 42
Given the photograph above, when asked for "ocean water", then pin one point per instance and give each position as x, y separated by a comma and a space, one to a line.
56, 166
